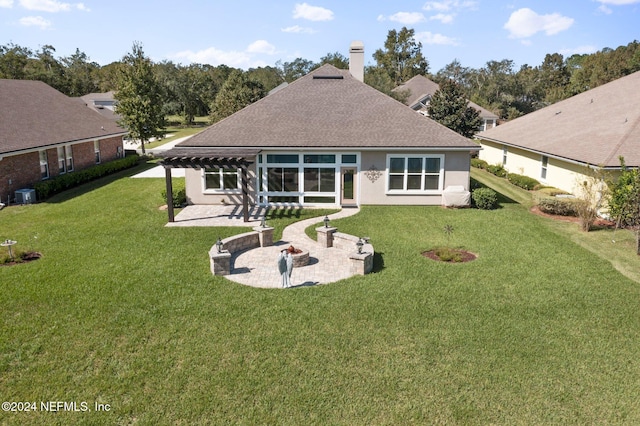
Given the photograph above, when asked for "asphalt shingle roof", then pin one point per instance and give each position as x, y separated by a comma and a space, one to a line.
328, 108
594, 127
35, 115
420, 87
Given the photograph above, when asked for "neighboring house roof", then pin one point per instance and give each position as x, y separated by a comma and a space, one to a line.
34, 115
421, 89
594, 127
328, 108
102, 103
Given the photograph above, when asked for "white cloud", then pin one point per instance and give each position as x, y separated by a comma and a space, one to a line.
261, 46
407, 18
52, 6
428, 37
580, 50
525, 22
45, 5
312, 13
443, 17
35, 21
448, 5
618, 2
604, 9
297, 29
232, 58
6, 3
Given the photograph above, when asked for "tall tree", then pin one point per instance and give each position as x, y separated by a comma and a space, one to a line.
336, 59
401, 57
45, 67
236, 93
13, 60
449, 107
294, 70
139, 97
81, 74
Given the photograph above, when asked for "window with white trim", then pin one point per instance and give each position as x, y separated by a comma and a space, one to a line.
505, 151
44, 165
415, 174
69, 156
545, 165
62, 162
96, 149
219, 179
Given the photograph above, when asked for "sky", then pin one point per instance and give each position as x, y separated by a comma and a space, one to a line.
249, 33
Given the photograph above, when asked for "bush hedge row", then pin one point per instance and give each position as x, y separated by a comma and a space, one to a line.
558, 206
478, 163
47, 188
524, 182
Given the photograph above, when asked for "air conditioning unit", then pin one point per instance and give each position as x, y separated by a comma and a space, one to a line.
25, 196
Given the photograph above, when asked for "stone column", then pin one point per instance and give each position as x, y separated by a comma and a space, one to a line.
265, 235
220, 262
325, 236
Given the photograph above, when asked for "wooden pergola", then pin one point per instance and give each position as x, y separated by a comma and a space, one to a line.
198, 158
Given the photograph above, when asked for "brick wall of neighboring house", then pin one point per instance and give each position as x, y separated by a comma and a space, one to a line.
17, 172
22, 171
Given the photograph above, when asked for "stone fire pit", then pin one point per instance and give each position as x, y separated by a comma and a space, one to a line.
300, 256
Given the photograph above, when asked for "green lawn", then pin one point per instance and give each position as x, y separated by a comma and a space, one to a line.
124, 311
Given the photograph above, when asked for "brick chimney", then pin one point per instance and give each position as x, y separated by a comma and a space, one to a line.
356, 60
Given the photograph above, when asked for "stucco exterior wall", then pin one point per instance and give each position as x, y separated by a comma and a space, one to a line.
194, 185
373, 178
561, 174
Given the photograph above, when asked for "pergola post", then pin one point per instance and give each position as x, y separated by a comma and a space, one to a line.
245, 193
167, 173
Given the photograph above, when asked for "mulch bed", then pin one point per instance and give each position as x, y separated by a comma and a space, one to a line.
466, 256
28, 257
598, 224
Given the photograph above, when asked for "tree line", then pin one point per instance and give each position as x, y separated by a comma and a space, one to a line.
216, 91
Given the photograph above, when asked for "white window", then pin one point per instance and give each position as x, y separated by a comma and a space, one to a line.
505, 151
69, 156
44, 165
219, 179
545, 164
96, 149
415, 174
62, 162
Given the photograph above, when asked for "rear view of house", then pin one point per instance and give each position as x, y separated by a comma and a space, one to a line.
44, 133
327, 139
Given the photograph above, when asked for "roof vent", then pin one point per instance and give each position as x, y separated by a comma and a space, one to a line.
328, 77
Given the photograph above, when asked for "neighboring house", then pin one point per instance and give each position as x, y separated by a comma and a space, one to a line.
103, 103
420, 90
44, 133
555, 144
326, 139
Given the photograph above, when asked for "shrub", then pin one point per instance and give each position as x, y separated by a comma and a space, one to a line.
485, 198
478, 163
179, 197
497, 169
558, 206
522, 181
447, 254
549, 190
47, 188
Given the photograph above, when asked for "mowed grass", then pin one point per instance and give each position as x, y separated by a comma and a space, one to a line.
124, 311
